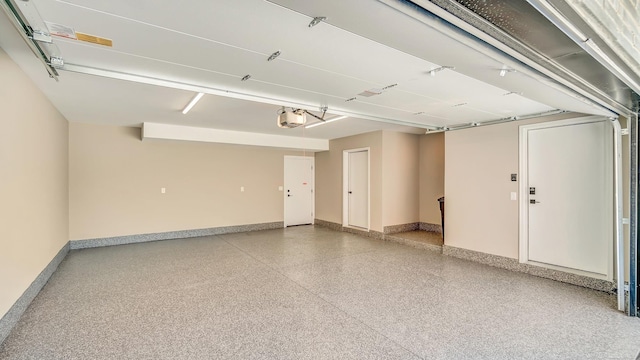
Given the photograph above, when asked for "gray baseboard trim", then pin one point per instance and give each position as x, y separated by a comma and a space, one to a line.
171, 235
430, 227
371, 233
394, 229
328, 224
514, 265
415, 244
10, 319
338, 227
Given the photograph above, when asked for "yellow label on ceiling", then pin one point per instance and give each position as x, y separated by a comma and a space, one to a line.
94, 39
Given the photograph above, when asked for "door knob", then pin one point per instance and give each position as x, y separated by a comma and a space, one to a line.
350, 192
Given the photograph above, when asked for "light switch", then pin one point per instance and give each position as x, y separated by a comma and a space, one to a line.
241, 188
514, 195
163, 190
280, 188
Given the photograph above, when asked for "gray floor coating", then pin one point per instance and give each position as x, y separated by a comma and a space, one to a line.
309, 293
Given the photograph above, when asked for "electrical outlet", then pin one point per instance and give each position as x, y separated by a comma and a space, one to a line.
163, 190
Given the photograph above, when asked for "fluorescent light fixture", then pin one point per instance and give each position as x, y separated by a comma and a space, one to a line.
325, 122
192, 103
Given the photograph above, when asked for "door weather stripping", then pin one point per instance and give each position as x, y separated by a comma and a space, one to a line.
618, 200
632, 310
37, 37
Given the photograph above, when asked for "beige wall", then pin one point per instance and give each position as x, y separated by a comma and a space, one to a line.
431, 176
329, 177
400, 170
479, 213
115, 181
33, 182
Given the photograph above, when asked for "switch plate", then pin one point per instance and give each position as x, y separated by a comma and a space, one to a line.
280, 188
163, 190
241, 188
514, 195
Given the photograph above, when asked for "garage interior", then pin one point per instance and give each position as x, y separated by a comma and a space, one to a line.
270, 179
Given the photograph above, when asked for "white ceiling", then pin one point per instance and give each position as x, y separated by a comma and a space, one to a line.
211, 45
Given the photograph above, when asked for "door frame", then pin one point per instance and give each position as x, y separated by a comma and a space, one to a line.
313, 187
345, 186
524, 198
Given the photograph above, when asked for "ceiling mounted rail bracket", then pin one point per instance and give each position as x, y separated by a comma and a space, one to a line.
317, 20
433, 72
273, 56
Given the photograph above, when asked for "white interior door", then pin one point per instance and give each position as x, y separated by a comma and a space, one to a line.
358, 189
568, 198
298, 190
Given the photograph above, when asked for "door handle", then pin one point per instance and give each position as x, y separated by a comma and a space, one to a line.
350, 192
533, 201
288, 195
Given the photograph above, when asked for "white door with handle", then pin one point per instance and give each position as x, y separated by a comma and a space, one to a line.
356, 188
298, 190
566, 195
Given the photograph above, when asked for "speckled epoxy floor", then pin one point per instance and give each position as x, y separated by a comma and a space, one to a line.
309, 293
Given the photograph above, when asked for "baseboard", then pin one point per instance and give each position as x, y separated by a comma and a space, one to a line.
415, 244
328, 224
394, 229
11, 318
338, 227
171, 235
514, 265
430, 227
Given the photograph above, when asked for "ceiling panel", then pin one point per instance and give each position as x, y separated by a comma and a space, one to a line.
213, 44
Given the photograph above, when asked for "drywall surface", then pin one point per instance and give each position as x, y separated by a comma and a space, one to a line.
431, 176
479, 213
116, 181
329, 177
33, 182
400, 171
